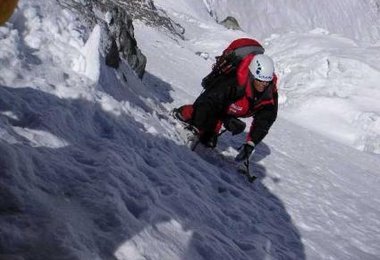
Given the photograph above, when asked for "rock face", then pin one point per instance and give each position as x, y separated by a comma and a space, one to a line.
115, 18
231, 23
118, 35
121, 39
145, 10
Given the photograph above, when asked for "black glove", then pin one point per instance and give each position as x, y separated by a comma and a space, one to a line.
234, 125
245, 151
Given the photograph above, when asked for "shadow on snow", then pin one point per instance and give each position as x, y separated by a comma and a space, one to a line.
113, 180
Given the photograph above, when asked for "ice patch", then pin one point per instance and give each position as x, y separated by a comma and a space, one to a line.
88, 63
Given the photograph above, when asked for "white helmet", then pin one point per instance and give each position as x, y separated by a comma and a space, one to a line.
262, 67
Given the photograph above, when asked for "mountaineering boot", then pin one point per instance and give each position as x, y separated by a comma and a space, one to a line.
183, 113
176, 113
245, 151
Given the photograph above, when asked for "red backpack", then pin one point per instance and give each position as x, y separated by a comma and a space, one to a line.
234, 60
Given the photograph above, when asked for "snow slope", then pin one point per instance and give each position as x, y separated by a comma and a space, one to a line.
329, 83
357, 20
92, 167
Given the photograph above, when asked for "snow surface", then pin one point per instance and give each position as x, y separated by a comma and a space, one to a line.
359, 20
92, 167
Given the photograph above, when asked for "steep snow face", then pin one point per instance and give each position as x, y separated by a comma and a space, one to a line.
43, 46
92, 166
358, 20
330, 85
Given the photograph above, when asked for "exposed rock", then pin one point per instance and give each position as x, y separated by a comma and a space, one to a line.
204, 55
146, 11
118, 39
116, 17
231, 23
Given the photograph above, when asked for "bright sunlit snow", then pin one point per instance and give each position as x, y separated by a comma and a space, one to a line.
93, 167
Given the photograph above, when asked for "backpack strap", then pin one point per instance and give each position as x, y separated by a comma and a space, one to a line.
242, 72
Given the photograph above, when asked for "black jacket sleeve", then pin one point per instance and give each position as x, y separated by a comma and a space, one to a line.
262, 121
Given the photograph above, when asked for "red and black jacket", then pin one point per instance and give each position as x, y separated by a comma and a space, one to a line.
235, 96
262, 107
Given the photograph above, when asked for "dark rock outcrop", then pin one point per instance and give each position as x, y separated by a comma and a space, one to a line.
118, 39
116, 17
146, 11
230, 23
